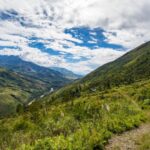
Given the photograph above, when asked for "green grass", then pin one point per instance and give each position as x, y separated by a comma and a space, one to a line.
84, 123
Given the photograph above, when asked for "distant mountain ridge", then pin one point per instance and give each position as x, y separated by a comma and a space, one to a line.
21, 81
16, 64
67, 73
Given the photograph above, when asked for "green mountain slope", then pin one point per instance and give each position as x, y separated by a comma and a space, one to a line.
17, 88
132, 67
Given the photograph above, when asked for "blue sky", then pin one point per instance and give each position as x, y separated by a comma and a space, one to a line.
77, 35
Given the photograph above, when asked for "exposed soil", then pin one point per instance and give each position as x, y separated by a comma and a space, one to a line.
127, 140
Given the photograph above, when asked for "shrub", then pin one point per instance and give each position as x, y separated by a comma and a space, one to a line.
43, 145
22, 125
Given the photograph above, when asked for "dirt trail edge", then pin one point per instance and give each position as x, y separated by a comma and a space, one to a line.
127, 140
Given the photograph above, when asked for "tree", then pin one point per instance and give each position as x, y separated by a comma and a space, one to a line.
19, 109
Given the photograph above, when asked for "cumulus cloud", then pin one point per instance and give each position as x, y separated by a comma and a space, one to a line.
125, 23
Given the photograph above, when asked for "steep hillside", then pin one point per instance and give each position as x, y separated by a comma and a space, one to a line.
19, 88
85, 123
132, 67
16, 88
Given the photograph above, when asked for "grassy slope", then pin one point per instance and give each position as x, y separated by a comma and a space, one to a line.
84, 123
131, 67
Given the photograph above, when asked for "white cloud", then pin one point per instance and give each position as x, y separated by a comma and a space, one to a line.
126, 23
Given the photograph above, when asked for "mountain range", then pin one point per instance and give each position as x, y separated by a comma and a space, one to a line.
18, 65
22, 81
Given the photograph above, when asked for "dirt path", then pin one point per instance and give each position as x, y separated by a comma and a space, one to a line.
127, 140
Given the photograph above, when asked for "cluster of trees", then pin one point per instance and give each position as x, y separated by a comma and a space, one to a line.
21, 108
71, 93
